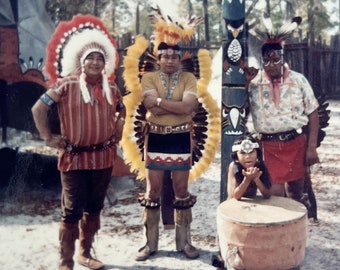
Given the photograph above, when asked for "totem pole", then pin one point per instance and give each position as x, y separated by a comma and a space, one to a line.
234, 94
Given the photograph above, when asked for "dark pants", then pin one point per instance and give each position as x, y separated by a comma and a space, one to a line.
83, 191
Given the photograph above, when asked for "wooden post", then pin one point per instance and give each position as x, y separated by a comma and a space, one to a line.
167, 198
3, 109
234, 95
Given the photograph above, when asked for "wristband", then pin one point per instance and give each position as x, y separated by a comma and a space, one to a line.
47, 99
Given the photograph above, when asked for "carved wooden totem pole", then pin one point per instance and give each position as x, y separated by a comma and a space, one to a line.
234, 95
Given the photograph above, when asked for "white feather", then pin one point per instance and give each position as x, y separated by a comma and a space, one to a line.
268, 24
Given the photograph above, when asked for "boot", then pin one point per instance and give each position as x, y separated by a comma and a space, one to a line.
89, 225
183, 218
68, 233
151, 218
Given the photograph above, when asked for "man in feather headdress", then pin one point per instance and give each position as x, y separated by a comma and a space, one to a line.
285, 113
81, 60
170, 97
173, 127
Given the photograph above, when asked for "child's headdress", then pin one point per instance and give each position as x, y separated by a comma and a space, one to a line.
72, 42
246, 146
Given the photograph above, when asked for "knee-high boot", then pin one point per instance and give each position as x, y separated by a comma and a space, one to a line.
89, 225
68, 233
151, 217
183, 218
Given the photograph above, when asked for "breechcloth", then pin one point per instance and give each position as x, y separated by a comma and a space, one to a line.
168, 151
285, 160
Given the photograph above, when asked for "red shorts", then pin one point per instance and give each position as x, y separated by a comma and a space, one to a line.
285, 161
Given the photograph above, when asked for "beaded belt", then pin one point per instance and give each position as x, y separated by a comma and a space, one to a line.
282, 136
76, 149
159, 129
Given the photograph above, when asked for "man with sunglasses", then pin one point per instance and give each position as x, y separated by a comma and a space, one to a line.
284, 112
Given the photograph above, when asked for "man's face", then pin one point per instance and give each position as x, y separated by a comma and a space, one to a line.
169, 63
94, 64
272, 64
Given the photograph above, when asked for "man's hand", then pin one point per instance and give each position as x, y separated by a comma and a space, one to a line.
250, 73
58, 142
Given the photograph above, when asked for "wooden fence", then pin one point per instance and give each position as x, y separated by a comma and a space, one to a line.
319, 63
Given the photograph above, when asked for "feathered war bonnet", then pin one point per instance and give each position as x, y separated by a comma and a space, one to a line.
72, 42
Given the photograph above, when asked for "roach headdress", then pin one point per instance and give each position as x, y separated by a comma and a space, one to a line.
72, 42
274, 39
170, 31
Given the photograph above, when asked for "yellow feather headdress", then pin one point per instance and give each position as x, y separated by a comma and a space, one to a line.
172, 32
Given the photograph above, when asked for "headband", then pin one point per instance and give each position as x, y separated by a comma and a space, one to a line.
246, 146
169, 52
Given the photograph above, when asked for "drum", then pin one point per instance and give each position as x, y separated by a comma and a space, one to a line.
262, 234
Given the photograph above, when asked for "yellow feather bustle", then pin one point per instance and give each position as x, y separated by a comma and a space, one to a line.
132, 153
172, 33
214, 116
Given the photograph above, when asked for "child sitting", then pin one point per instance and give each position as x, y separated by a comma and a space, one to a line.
247, 171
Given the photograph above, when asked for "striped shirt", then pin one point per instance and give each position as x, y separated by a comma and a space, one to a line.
85, 124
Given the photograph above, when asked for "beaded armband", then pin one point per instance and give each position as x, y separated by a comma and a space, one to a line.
47, 99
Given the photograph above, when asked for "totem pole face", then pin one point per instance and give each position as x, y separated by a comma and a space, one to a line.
234, 111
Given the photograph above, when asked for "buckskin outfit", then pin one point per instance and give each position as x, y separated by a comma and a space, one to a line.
82, 57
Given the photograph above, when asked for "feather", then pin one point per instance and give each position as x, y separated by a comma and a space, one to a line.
268, 24
140, 59
40, 64
31, 62
170, 31
271, 35
324, 116
287, 29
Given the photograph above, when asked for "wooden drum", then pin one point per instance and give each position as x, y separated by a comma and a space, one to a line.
264, 234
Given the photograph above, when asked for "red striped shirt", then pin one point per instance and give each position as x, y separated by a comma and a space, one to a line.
85, 124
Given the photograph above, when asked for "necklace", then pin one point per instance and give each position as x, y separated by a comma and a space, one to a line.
169, 91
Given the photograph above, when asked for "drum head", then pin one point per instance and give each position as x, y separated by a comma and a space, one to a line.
261, 212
